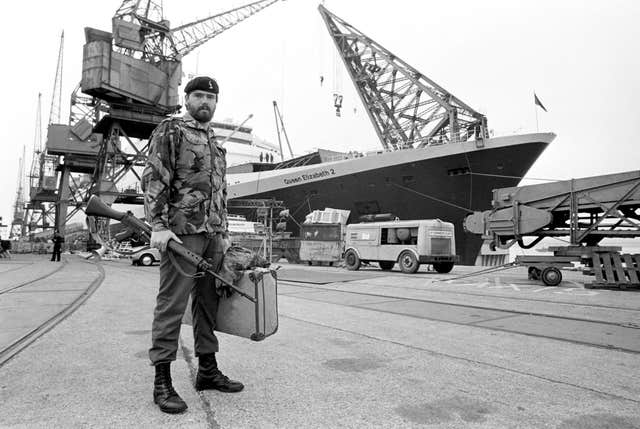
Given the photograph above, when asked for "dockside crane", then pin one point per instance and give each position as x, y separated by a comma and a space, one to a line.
41, 209
130, 81
147, 56
17, 223
406, 108
36, 213
139, 64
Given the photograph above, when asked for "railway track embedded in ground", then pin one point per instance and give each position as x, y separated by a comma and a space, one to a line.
504, 314
27, 283
16, 346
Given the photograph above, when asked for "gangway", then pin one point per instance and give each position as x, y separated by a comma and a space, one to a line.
586, 210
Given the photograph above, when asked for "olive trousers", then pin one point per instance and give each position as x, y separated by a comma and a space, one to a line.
173, 296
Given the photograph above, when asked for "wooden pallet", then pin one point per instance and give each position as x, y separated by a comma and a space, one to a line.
614, 270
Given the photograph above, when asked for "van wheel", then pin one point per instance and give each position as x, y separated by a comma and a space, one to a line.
443, 267
146, 260
386, 265
351, 260
408, 262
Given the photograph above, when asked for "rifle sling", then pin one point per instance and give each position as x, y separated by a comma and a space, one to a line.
179, 269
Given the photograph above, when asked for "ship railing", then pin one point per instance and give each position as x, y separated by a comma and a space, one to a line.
350, 155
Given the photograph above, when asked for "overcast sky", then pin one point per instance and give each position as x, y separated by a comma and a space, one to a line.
581, 57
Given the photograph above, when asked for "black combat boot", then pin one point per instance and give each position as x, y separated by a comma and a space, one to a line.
209, 376
163, 393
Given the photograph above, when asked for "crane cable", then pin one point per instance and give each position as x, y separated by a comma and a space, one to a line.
432, 197
490, 270
320, 45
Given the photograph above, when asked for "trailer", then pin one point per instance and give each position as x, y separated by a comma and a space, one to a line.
321, 243
586, 210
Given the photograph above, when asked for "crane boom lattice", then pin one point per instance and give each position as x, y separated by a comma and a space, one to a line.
17, 224
407, 108
34, 172
188, 37
140, 26
56, 95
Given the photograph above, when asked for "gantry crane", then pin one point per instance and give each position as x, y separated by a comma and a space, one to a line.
407, 108
130, 81
41, 207
39, 210
17, 223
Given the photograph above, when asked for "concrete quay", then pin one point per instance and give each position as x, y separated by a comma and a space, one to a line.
353, 350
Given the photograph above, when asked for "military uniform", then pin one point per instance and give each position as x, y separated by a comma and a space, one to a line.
185, 192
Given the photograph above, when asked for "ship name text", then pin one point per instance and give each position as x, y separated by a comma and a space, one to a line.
311, 176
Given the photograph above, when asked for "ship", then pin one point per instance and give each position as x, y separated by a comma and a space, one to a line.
444, 182
439, 159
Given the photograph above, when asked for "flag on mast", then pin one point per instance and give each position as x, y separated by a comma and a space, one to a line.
538, 102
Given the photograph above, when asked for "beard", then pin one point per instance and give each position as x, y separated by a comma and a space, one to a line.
200, 114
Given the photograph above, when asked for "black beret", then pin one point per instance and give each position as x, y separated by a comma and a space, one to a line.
203, 83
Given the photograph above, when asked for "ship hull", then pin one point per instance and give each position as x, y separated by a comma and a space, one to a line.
445, 182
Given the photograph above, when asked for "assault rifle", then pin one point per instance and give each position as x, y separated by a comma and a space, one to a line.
97, 207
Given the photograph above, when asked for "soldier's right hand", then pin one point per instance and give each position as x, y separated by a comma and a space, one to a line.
160, 239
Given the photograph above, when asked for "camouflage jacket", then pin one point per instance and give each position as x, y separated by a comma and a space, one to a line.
184, 179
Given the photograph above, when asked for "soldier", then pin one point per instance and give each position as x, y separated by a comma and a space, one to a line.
185, 200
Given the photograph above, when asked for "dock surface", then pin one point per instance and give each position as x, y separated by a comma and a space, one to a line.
360, 349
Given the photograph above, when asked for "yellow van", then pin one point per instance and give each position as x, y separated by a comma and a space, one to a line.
407, 242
